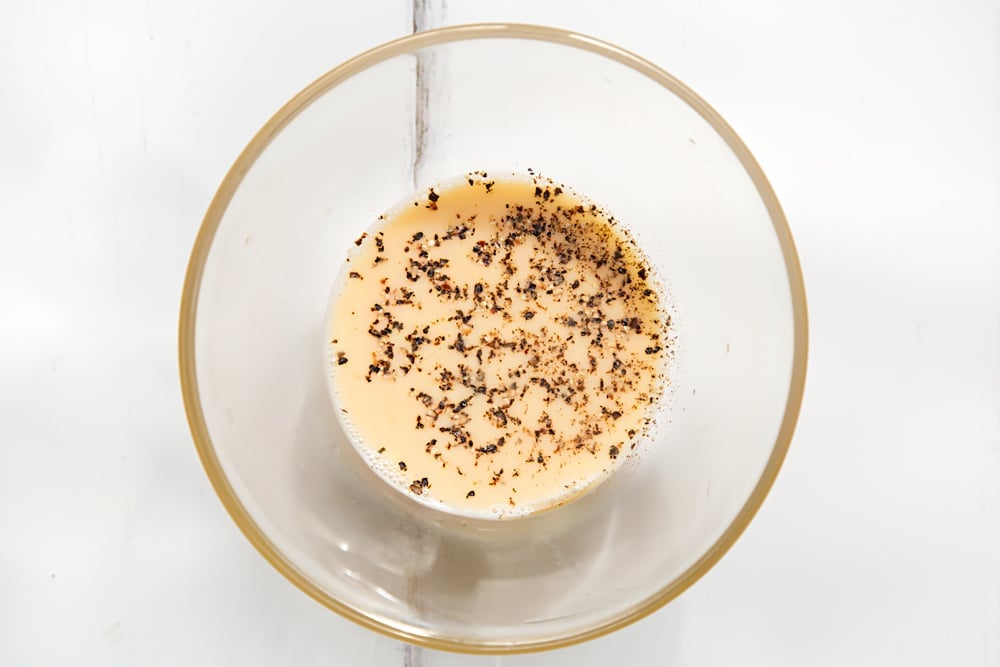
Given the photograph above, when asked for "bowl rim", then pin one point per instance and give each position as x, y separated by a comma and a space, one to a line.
217, 208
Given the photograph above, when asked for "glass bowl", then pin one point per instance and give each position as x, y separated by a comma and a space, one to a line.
424, 109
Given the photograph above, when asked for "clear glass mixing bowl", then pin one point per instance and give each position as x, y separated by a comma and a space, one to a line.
427, 108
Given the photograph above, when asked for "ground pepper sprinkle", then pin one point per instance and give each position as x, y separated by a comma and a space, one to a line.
516, 322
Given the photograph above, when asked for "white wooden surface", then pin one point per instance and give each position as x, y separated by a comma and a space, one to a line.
878, 125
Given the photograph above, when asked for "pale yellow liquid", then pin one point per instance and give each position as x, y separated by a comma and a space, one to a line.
497, 346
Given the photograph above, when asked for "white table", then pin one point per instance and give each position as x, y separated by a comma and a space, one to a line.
879, 126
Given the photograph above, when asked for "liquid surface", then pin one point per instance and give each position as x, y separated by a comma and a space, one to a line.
497, 346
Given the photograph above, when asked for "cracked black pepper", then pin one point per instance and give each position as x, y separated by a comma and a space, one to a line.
504, 338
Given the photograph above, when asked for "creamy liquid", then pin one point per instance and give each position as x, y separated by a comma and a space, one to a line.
497, 345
